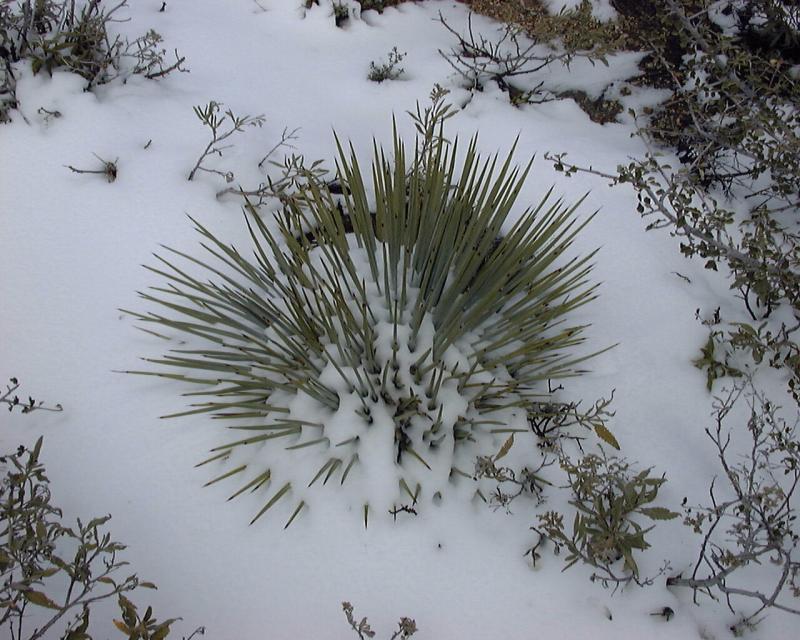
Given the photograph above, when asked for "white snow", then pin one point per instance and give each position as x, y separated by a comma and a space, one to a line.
71, 247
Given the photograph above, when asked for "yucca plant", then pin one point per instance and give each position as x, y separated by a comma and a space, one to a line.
390, 333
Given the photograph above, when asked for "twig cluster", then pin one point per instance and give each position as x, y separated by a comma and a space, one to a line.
550, 421
516, 52
526, 481
293, 176
751, 518
293, 172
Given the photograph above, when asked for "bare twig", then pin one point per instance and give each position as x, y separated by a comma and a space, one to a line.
209, 116
478, 59
755, 524
285, 141
515, 52
179, 60
109, 168
293, 175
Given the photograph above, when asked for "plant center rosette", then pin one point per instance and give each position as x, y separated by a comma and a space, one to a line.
380, 337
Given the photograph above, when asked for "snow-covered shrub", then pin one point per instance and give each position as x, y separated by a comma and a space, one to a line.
389, 70
74, 36
531, 41
382, 337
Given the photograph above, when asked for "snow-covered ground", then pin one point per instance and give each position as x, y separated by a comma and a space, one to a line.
71, 249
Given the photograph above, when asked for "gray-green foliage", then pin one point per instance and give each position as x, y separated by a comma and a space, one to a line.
55, 571
731, 349
610, 499
381, 310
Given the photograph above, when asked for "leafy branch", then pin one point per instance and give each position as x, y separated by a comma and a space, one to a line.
12, 400
37, 572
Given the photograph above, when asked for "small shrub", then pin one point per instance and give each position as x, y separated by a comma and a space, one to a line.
356, 325
608, 496
390, 70
341, 13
